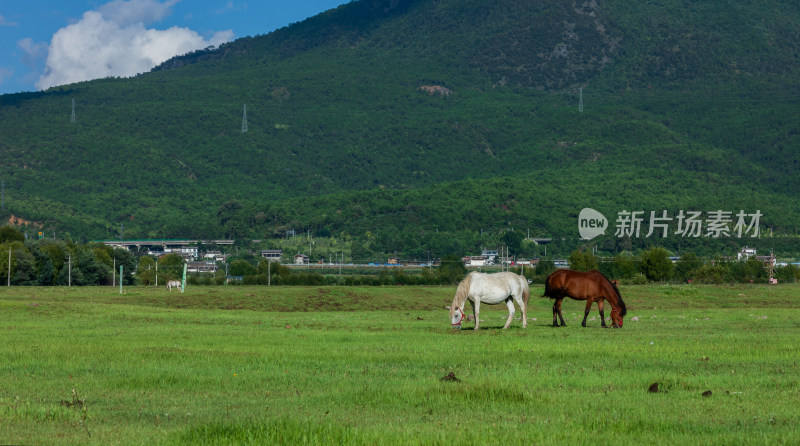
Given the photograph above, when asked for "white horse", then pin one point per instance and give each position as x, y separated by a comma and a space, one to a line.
490, 289
173, 284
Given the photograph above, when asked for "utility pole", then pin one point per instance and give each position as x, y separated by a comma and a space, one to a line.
580, 102
69, 271
9, 266
244, 119
72, 118
114, 274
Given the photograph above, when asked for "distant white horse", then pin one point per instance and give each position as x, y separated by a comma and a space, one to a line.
173, 284
490, 289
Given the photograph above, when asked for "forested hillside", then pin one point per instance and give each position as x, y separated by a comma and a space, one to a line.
426, 117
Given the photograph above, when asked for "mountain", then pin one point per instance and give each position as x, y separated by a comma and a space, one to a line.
613, 105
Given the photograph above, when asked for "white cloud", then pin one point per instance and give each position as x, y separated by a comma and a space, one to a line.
33, 53
128, 12
114, 41
230, 6
4, 22
4, 74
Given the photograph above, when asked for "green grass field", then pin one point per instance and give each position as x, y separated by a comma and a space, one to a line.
296, 365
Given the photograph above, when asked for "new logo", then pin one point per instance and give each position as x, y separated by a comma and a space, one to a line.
591, 223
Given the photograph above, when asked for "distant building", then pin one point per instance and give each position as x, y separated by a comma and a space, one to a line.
301, 259
215, 256
272, 254
475, 261
163, 245
207, 266
746, 253
491, 256
187, 252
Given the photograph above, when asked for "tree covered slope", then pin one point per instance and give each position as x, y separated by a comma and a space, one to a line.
685, 105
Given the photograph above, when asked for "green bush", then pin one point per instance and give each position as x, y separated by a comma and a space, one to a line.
636, 279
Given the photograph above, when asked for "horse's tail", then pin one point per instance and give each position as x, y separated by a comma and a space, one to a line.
548, 289
526, 292
461, 293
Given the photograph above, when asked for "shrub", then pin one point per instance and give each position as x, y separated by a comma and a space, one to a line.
710, 274
636, 279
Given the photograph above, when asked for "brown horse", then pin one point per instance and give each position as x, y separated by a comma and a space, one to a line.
591, 287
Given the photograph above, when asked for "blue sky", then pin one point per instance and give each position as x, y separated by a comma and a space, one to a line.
44, 43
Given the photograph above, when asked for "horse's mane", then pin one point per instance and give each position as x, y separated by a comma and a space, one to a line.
623, 310
461, 294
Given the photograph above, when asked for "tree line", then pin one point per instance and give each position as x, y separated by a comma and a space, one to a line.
655, 265
62, 262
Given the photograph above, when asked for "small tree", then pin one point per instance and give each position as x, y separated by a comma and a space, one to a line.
452, 269
513, 239
625, 267
242, 268
687, 263
171, 266
582, 261
544, 268
146, 271
711, 274
656, 264
10, 234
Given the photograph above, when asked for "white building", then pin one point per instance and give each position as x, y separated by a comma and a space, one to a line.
475, 261
746, 253
215, 256
491, 256
272, 254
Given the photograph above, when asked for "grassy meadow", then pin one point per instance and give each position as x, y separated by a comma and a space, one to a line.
348, 365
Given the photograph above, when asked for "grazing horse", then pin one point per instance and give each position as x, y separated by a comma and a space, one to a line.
173, 284
490, 289
589, 286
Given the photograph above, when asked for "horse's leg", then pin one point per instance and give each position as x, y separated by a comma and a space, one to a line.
589, 303
476, 309
557, 313
524, 309
510, 305
602, 314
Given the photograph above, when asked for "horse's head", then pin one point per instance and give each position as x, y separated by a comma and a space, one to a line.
616, 318
456, 317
